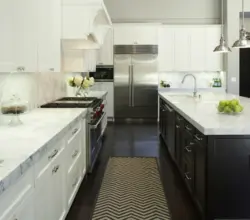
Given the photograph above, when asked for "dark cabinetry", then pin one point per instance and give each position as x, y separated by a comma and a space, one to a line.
215, 168
167, 126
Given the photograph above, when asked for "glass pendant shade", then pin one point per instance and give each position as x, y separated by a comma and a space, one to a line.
222, 47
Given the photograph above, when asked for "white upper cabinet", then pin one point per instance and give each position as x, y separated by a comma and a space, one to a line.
166, 49
127, 34
189, 48
49, 35
182, 49
214, 61
198, 49
25, 34
6, 36
105, 53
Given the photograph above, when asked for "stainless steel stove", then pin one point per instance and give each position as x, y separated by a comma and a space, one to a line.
95, 116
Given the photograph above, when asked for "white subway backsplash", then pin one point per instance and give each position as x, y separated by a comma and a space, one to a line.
203, 79
36, 88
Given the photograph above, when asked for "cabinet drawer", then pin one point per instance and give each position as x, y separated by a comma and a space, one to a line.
74, 151
189, 127
16, 194
179, 119
200, 138
188, 172
50, 156
188, 151
74, 179
74, 131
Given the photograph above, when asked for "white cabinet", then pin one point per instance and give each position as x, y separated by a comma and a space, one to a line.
75, 162
43, 190
166, 49
50, 185
105, 53
182, 49
214, 61
49, 35
25, 34
58, 189
109, 87
197, 50
18, 201
189, 48
26, 209
6, 36
127, 34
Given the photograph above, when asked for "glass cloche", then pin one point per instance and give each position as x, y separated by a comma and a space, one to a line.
14, 106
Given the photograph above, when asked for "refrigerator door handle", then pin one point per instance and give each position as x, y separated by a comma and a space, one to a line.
129, 86
132, 86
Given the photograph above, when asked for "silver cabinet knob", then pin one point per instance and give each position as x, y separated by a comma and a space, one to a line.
52, 69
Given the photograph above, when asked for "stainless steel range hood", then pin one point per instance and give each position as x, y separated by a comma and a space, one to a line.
136, 49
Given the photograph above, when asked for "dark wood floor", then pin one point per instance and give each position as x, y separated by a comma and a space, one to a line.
138, 140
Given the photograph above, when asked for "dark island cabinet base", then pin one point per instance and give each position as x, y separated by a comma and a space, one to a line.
228, 177
216, 169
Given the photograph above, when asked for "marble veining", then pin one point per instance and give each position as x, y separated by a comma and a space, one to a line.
22, 146
203, 114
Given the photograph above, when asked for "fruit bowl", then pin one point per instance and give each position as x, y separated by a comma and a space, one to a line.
230, 107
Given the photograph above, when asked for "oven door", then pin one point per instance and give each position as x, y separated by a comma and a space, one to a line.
95, 133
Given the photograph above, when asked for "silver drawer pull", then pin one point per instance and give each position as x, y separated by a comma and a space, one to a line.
177, 126
197, 137
75, 130
75, 153
53, 154
75, 183
188, 128
188, 149
55, 169
179, 118
187, 176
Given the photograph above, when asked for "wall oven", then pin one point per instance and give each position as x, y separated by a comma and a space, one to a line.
103, 73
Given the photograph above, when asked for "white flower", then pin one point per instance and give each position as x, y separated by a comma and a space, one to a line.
78, 80
91, 81
85, 84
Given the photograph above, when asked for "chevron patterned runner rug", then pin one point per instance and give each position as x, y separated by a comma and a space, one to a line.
131, 190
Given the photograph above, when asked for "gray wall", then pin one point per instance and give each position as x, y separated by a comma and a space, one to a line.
166, 11
233, 8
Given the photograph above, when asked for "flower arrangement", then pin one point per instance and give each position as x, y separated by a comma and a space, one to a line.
81, 83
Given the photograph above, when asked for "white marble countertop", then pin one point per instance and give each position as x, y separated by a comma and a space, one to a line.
22, 146
202, 113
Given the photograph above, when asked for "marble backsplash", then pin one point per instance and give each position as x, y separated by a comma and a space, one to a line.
203, 79
36, 88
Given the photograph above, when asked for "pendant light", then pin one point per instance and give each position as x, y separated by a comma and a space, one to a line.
222, 47
242, 42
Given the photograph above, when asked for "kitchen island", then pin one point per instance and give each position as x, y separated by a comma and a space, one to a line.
211, 151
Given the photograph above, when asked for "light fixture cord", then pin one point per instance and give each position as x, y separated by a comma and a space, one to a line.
222, 18
243, 15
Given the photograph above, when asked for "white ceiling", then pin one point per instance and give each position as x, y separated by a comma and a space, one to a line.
169, 11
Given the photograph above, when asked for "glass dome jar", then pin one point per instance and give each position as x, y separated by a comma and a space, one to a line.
14, 107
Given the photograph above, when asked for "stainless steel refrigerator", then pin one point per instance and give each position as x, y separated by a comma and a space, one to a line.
136, 82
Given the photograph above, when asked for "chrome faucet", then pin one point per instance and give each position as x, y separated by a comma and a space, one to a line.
195, 84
